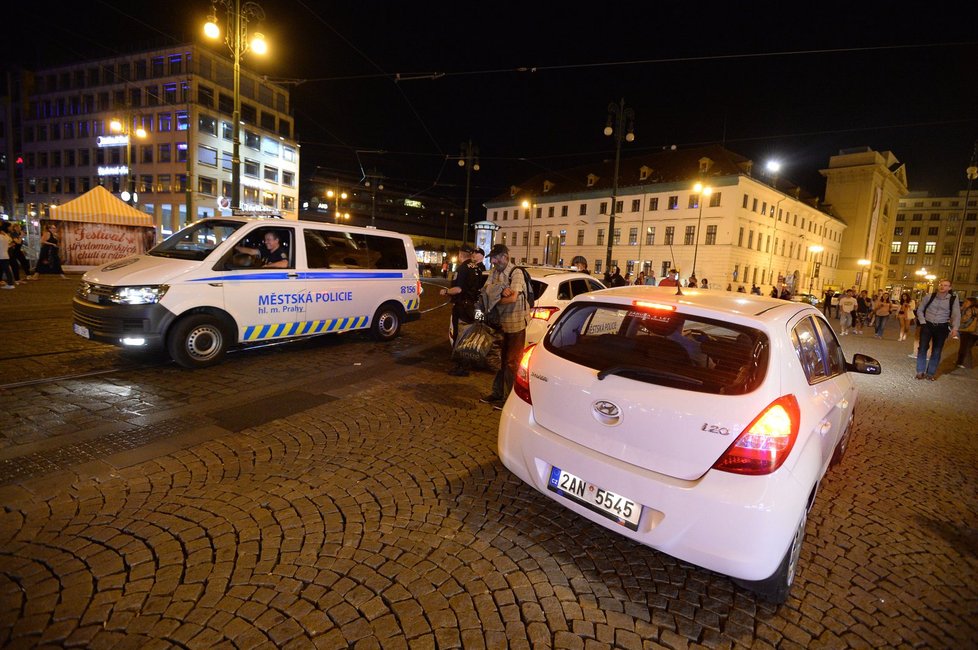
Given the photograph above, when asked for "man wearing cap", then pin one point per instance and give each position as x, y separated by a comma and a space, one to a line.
464, 293
672, 280
505, 291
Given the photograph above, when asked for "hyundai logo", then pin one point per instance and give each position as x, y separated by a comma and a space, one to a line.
606, 412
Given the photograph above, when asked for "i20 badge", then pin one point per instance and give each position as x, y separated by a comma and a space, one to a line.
606, 412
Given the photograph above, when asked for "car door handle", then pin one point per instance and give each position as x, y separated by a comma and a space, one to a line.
825, 427
843, 404
293, 276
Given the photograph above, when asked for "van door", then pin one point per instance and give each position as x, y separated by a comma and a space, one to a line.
341, 277
261, 286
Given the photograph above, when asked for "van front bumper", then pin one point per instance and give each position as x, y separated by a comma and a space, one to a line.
122, 325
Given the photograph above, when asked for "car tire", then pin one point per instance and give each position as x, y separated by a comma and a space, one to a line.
777, 587
386, 323
197, 341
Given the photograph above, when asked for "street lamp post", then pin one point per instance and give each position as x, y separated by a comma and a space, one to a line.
972, 173
774, 167
470, 160
814, 249
238, 16
701, 190
865, 264
128, 193
618, 116
337, 215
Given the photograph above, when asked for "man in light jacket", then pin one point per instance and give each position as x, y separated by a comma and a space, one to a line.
939, 315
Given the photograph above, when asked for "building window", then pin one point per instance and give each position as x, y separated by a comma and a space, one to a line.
636, 205
580, 237
164, 122
250, 168
693, 201
205, 95
633, 236
252, 140
673, 202
536, 237
600, 239
711, 235
563, 210
750, 239
715, 200
619, 207
288, 179
740, 238
912, 247
271, 174
206, 185
654, 203
207, 156
930, 247
753, 209
582, 210
895, 247
164, 153
650, 236
227, 131
288, 153
898, 231
182, 152
617, 238
183, 121
603, 208
207, 124
670, 235
690, 237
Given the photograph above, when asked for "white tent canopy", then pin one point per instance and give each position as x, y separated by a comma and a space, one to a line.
98, 205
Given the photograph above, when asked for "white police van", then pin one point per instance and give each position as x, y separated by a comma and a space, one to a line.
222, 282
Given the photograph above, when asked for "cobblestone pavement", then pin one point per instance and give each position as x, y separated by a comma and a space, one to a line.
340, 493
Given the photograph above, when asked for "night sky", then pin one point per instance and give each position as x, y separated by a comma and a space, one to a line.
530, 83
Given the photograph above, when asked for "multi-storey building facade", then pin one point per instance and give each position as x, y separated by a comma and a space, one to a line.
744, 232
182, 98
928, 234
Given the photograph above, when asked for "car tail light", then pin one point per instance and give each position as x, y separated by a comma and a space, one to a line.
419, 288
521, 383
763, 446
544, 313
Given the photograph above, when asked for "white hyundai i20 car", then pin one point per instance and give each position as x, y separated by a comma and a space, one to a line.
697, 423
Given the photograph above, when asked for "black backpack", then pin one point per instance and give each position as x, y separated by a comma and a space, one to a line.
530, 298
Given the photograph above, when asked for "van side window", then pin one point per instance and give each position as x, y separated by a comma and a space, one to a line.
264, 248
334, 249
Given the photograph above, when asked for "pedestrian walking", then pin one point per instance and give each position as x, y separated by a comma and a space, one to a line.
882, 309
505, 291
17, 256
864, 307
5, 243
939, 315
847, 311
968, 332
672, 280
827, 303
49, 260
905, 314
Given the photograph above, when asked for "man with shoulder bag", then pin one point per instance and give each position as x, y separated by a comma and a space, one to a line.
505, 293
938, 316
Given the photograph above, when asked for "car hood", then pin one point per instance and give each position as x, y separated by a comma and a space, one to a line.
141, 270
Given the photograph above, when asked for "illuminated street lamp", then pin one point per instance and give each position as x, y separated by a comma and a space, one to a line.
128, 193
773, 167
528, 206
238, 16
865, 264
814, 249
337, 215
618, 116
701, 190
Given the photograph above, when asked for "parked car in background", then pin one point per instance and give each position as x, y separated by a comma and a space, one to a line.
810, 298
699, 424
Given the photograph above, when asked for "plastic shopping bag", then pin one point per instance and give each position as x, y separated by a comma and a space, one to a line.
473, 344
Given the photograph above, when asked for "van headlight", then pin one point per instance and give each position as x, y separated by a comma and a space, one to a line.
139, 295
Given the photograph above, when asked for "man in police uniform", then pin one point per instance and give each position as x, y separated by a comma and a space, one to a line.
273, 254
464, 292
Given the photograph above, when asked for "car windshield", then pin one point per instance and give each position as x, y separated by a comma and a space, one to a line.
662, 347
196, 241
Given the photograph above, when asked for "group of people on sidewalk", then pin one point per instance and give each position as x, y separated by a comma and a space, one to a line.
939, 315
13, 259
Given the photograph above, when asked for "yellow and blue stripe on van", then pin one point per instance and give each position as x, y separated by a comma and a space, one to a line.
303, 328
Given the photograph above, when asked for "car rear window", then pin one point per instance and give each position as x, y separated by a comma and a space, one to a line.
663, 347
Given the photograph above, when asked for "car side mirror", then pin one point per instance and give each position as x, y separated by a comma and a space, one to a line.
864, 364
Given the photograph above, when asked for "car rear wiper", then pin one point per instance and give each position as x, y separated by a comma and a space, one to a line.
649, 372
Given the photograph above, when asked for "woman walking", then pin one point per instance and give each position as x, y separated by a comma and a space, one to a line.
5, 243
968, 332
905, 314
50, 258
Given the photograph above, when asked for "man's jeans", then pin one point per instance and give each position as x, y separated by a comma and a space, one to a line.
935, 333
511, 349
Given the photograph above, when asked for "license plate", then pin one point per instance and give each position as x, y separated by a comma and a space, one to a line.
81, 331
608, 504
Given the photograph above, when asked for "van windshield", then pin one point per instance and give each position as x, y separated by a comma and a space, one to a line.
196, 241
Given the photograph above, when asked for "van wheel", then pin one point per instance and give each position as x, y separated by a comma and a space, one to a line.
386, 323
197, 341
776, 588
